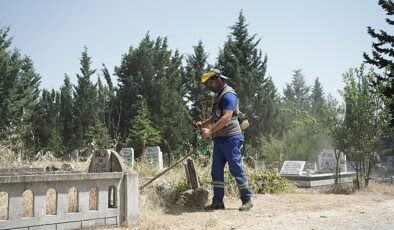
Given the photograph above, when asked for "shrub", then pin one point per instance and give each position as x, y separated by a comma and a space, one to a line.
267, 181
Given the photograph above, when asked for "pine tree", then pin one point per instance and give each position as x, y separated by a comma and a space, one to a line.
10, 64
198, 97
151, 72
66, 115
317, 99
382, 57
241, 60
22, 104
85, 101
142, 133
296, 93
112, 109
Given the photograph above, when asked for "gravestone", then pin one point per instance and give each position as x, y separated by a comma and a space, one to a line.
292, 168
390, 163
310, 165
105, 160
154, 156
327, 161
259, 165
128, 154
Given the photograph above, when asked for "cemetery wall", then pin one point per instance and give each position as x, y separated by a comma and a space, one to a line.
103, 198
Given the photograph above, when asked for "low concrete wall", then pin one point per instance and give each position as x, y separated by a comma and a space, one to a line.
125, 209
316, 180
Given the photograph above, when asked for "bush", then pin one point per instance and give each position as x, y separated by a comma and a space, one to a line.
267, 181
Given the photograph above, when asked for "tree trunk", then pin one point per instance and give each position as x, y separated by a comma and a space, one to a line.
337, 168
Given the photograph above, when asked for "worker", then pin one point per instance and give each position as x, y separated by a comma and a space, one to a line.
228, 138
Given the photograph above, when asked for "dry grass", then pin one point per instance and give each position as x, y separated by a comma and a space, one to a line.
93, 198
3, 206
51, 202
73, 200
7, 157
27, 204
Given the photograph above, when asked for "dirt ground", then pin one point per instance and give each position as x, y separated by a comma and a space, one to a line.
372, 208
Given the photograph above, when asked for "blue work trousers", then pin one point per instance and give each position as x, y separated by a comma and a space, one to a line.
228, 149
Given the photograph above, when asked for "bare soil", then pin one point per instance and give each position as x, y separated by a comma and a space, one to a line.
372, 208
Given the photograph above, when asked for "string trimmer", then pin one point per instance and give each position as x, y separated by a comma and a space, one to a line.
202, 146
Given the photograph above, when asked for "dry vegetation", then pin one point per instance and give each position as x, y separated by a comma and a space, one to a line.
372, 208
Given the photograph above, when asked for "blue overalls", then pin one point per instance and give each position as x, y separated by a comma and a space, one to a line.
228, 149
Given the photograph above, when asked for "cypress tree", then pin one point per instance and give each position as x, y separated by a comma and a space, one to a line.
66, 115
198, 97
242, 61
85, 101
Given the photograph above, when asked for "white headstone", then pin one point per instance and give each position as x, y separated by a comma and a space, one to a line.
390, 163
327, 161
259, 165
310, 165
154, 156
292, 168
128, 154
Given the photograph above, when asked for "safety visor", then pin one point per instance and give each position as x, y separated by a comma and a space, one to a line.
206, 76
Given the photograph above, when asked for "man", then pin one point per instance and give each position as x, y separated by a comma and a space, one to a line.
223, 125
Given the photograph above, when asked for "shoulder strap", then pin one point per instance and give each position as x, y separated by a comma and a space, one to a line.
224, 91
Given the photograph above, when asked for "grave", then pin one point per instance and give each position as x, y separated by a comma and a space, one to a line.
153, 155
128, 155
305, 175
292, 168
327, 161
390, 163
105, 160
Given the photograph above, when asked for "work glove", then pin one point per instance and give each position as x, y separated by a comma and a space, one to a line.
197, 125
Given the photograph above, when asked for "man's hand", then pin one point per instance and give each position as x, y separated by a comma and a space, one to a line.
206, 133
197, 125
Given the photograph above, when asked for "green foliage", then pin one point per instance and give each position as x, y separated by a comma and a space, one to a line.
261, 181
267, 181
66, 115
152, 72
365, 115
198, 97
242, 61
180, 186
142, 132
98, 135
383, 58
85, 102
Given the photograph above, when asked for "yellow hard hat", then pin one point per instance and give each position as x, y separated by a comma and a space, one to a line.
212, 73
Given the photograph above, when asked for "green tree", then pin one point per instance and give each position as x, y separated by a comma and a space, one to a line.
142, 133
383, 56
198, 97
152, 72
22, 103
363, 119
317, 99
242, 61
112, 109
47, 122
85, 101
66, 115
296, 93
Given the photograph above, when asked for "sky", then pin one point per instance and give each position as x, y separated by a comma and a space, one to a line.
323, 38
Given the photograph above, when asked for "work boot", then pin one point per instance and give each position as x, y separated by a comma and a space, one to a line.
214, 206
246, 206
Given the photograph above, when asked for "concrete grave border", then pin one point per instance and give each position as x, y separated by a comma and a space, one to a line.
125, 211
